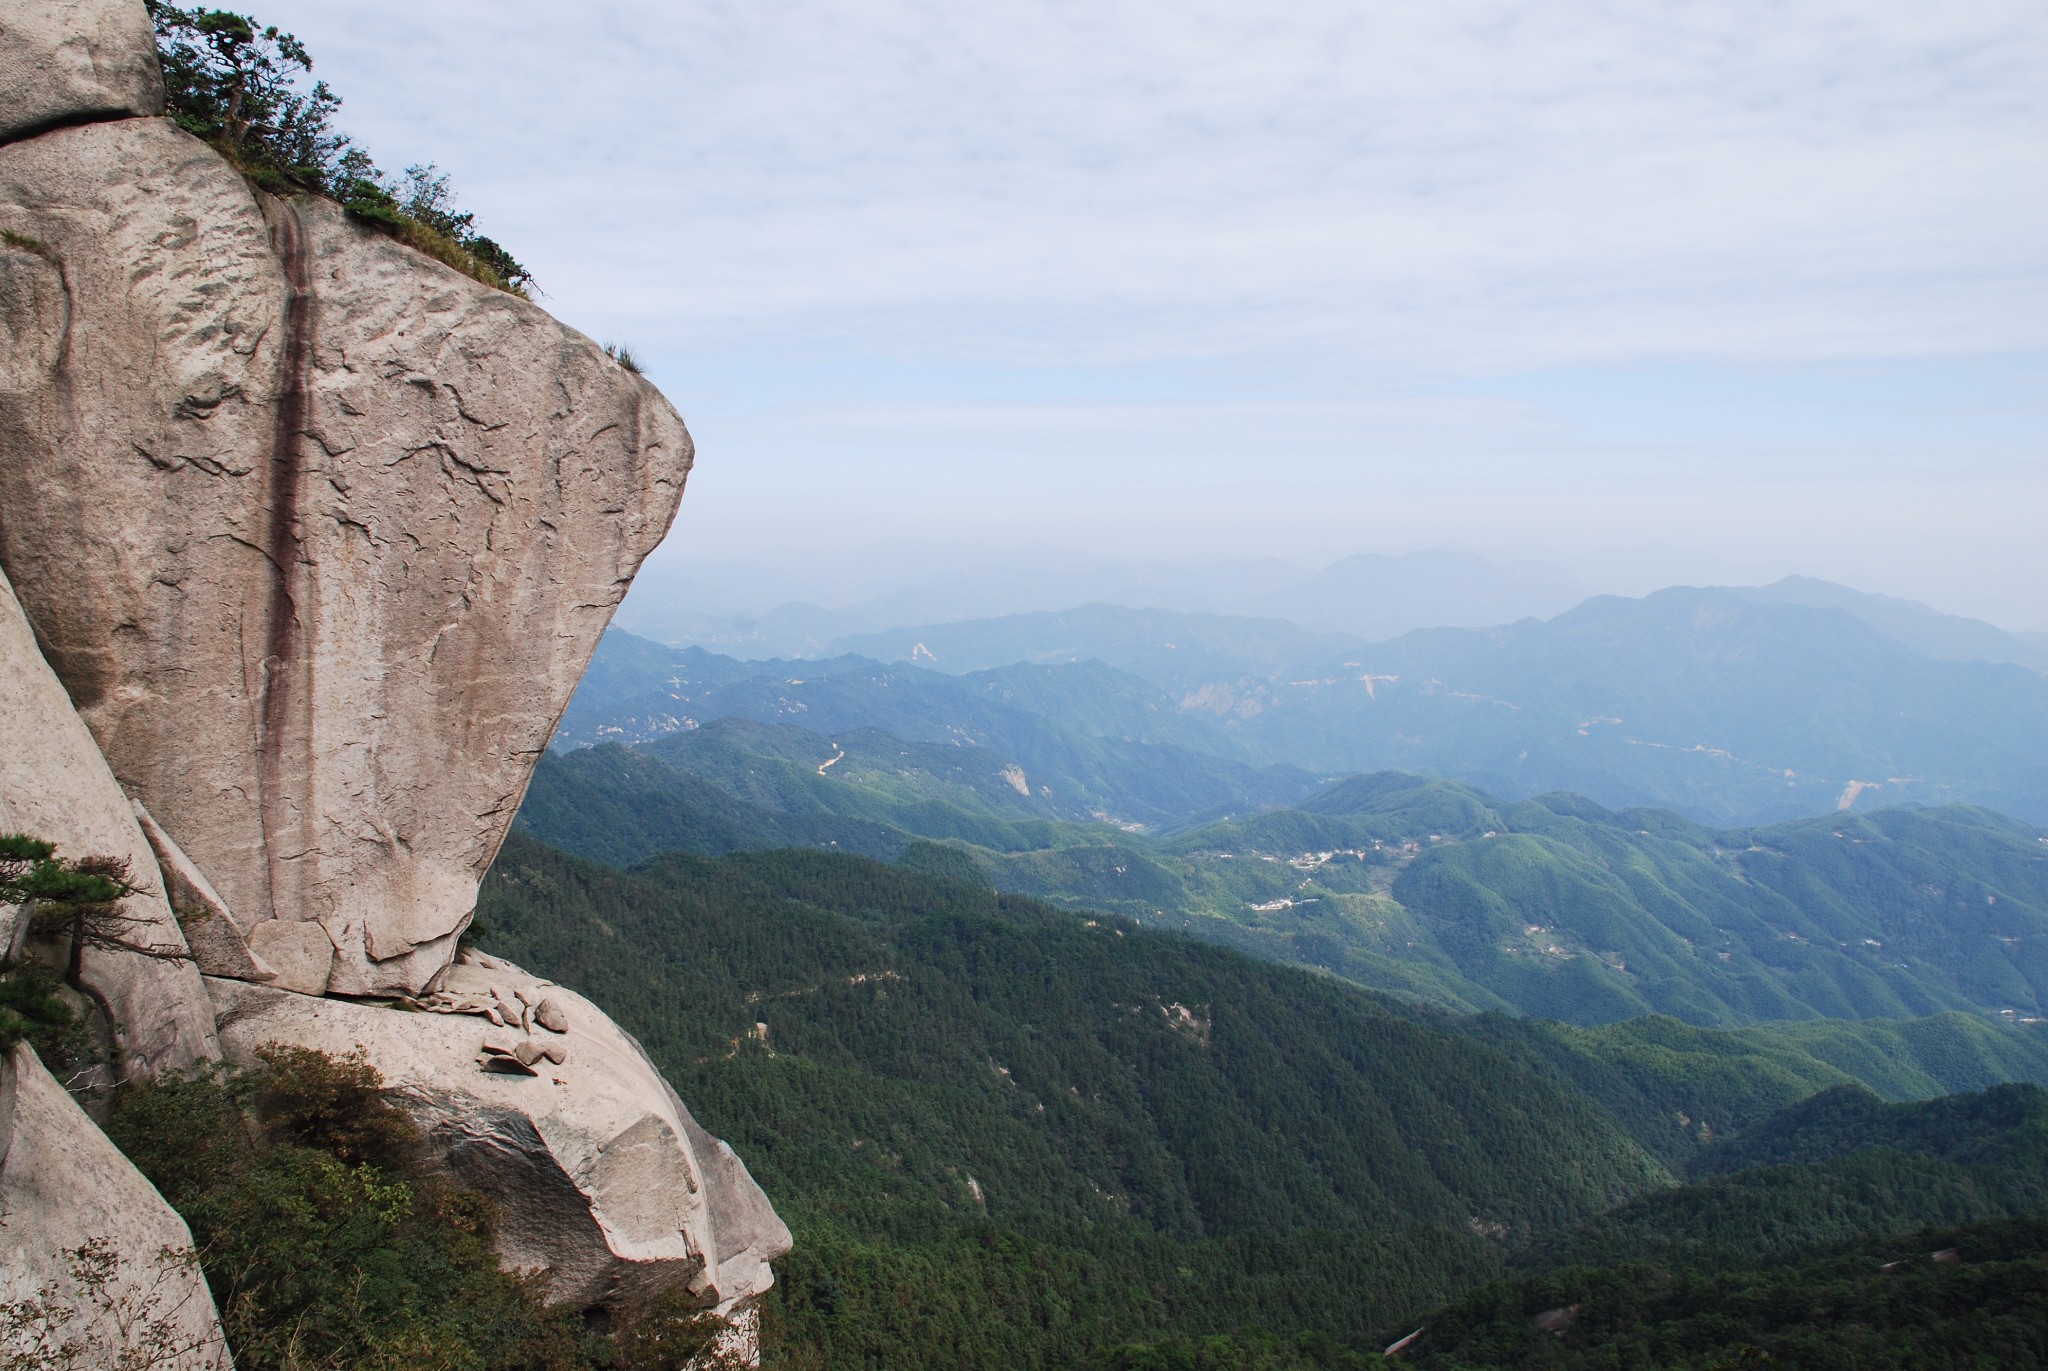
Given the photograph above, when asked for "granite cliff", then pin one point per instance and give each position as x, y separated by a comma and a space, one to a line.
306, 541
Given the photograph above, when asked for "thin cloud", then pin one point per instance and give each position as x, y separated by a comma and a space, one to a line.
1546, 183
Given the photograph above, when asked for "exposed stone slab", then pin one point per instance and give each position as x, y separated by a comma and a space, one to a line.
606, 1182
63, 1185
68, 60
357, 521
300, 955
55, 785
219, 944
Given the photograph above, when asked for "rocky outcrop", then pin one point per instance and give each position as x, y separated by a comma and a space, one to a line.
98, 1269
608, 1187
357, 524
313, 537
73, 61
55, 785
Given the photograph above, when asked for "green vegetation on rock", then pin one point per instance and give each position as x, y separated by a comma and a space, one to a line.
239, 84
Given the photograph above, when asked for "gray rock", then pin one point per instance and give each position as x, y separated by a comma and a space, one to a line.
55, 785
63, 1185
300, 955
605, 1180
219, 944
549, 1015
358, 522
71, 60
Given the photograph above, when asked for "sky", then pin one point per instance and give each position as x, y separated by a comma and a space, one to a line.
1761, 286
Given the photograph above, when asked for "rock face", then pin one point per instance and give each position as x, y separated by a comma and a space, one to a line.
313, 537
357, 520
607, 1185
66, 61
135, 1297
55, 785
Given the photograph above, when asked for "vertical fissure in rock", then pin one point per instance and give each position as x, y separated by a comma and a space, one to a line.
281, 760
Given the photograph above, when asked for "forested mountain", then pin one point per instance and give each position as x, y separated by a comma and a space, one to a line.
1558, 907
1831, 1169
1936, 1298
1006, 1135
1555, 907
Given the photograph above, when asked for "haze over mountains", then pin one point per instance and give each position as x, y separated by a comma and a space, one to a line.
1730, 706
803, 605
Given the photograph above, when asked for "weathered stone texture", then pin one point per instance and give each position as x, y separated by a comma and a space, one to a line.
63, 1185
355, 524
70, 60
54, 785
606, 1182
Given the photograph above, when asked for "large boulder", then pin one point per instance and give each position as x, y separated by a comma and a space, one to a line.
608, 1187
97, 1269
356, 523
55, 785
71, 61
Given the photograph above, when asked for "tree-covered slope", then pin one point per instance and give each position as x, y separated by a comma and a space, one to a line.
1560, 908
1884, 1303
1833, 1168
1680, 1089
1555, 906
1009, 1135
945, 1089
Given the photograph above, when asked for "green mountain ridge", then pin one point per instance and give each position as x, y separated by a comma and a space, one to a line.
1007, 1134
1555, 907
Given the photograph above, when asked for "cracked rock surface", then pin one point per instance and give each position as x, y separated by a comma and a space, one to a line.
67, 60
54, 785
357, 524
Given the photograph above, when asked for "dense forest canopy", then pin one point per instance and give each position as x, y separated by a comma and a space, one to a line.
1008, 1135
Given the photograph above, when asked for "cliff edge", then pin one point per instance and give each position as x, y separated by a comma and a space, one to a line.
318, 535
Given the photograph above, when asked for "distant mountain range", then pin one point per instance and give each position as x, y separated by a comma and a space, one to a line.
1729, 706
1367, 596
1726, 707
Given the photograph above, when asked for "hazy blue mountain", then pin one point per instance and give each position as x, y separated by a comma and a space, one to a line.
1375, 596
1706, 701
1929, 632
798, 605
1177, 652
982, 744
1722, 705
